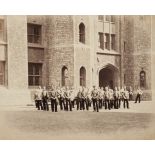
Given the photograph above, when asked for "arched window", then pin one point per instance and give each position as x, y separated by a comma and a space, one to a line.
83, 77
82, 33
64, 75
142, 79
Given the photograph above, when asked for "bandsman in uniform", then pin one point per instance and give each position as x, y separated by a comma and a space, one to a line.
88, 99
119, 97
79, 99
130, 94
53, 98
111, 98
107, 97
45, 99
116, 98
122, 95
126, 98
84, 99
38, 98
60, 97
94, 96
72, 96
139, 94
67, 99
101, 97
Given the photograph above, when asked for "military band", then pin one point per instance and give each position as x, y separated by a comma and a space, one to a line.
67, 99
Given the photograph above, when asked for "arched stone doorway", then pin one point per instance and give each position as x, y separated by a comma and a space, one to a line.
109, 76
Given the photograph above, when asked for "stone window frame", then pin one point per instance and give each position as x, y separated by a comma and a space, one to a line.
33, 75
82, 37
1, 30
142, 85
64, 76
2, 72
101, 40
34, 33
83, 76
107, 41
101, 17
110, 18
113, 41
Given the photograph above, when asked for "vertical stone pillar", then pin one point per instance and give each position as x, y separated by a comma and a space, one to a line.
17, 56
17, 62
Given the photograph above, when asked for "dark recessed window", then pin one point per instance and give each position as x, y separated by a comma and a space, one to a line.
101, 40
107, 41
82, 33
113, 41
107, 18
83, 77
35, 72
124, 46
34, 33
112, 18
100, 17
64, 73
142, 79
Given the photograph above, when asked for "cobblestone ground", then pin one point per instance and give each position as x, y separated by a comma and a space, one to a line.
28, 123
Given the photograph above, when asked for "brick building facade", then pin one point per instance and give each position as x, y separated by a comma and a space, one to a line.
75, 51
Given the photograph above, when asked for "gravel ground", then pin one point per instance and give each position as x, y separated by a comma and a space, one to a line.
76, 125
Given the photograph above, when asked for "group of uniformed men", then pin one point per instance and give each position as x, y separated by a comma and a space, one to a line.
84, 98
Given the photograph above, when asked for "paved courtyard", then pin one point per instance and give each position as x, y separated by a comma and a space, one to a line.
28, 123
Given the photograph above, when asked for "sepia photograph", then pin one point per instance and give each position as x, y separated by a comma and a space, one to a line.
77, 77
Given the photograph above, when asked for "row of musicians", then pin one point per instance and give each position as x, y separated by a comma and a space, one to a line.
67, 98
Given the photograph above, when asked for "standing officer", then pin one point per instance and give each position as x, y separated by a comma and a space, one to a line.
53, 97
94, 96
139, 94
45, 99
